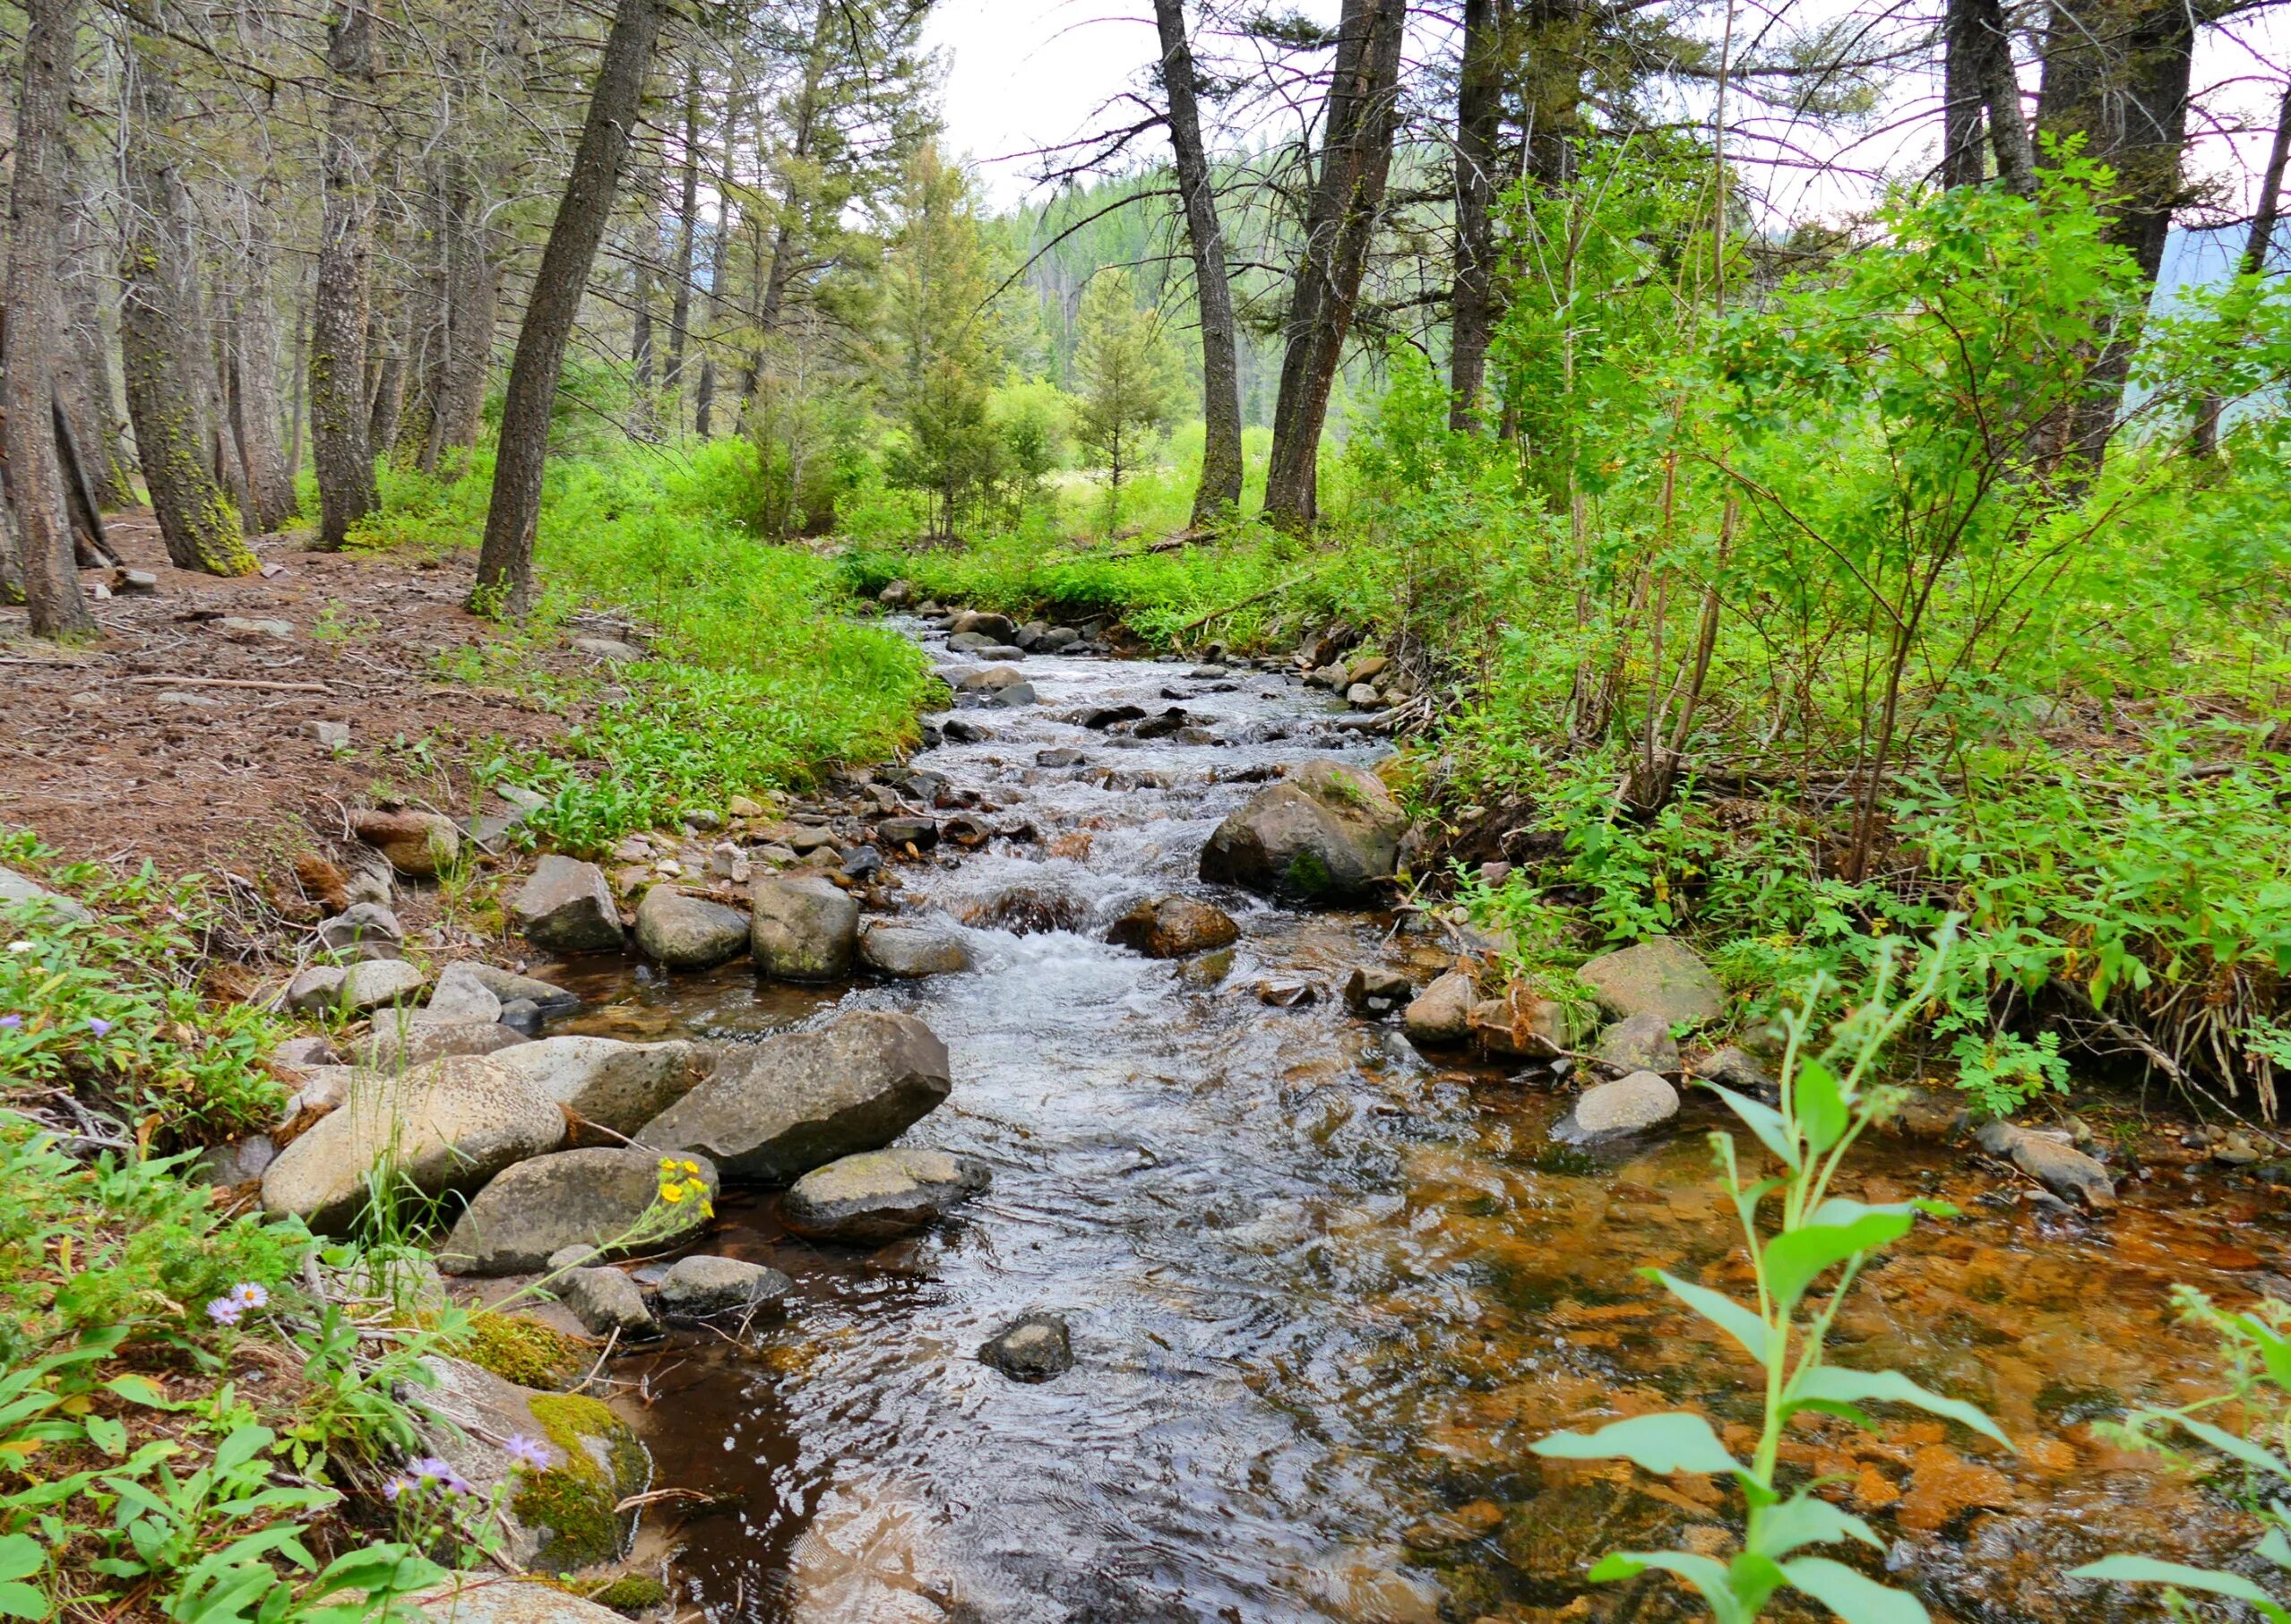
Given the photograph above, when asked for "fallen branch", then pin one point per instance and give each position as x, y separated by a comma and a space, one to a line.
230, 682
1254, 597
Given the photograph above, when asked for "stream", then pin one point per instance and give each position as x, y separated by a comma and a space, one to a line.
1326, 1290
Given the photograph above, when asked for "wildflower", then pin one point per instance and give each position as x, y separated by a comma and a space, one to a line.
226, 1310
98, 1026
528, 1452
251, 1294
672, 1193
10, 1022
20, 946
398, 1485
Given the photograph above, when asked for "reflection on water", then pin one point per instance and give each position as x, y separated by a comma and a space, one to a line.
1324, 1291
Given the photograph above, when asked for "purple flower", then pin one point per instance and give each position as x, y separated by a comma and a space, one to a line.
250, 1293
10, 1022
226, 1310
97, 1025
397, 1486
528, 1452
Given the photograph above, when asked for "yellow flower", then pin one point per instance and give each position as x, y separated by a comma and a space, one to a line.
707, 1210
690, 1167
672, 1193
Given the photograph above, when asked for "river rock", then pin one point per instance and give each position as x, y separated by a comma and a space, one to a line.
1643, 1043
567, 906
1373, 992
2062, 1169
775, 1110
559, 1519
1029, 908
897, 593
983, 624
804, 928
366, 930
1101, 717
306, 1054
616, 1086
417, 843
510, 987
404, 1038
314, 989
688, 933
447, 1126
1327, 832
461, 994
1057, 639
881, 1195
376, 983
480, 1598
1035, 1348
1732, 1068
572, 1198
1442, 1012
970, 642
1012, 695
702, 1287
14, 889
1173, 926
909, 950
1521, 1025
921, 833
604, 1301
987, 679
1626, 1105
1662, 977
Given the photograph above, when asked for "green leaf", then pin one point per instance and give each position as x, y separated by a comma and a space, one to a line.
142, 1390
1832, 1233
1804, 1520
21, 1601
1708, 1577
2148, 1570
2242, 1448
1852, 1596
1674, 1441
1821, 1101
108, 1435
1762, 1119
1837, 1385
21, 1556
1721, 1310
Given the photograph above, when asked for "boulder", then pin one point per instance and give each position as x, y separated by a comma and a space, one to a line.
559, 1518
15, 890
1732, 1068
986, 680
1029, 908
1521, 1025
401, 1039
1662, 977
1442, 1012
365, 929
1643, 1043
461, 994
702, 1287
1059, 758
317, 988
921, 833
983, 624
616, 1086
909, 950
1173, 926
595, 1198
1361, 696
1373, 992
567, 908
604, 1301
1327, 832
970, 642
510, 987
897, 593
775, 1110
881, 1195
1057, 639
1012, 695
1626, 1105
446, 1127
2062, 1169
802, 928
376, 985
417, 843
1035, 1348
688, 933
305, 1053
1103, 717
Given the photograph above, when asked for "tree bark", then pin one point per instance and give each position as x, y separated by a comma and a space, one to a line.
36, 205
252, 356
82, 368
386, 375
687, 219
339, 446
1479, 112
167, 393
1998, 83
505, 563
1356, 160
704, 394
1220, 492
1963, 130
2253, 260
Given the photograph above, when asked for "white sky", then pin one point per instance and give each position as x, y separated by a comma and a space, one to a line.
1028, 73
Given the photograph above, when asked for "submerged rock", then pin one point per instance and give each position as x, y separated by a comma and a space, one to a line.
1326, 833
2062, 1169
1035, 1348
881, 1195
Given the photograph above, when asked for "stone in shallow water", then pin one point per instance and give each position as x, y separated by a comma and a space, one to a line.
1171, 926
702, 1287
1633, 1102
881, 1195
1641, 1043
1035, 1348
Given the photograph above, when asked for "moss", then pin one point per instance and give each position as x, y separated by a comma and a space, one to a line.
522, 1350
574, 1501
631, 1593
1308, 876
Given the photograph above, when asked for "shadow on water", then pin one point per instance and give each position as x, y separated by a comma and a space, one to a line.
1325, 1290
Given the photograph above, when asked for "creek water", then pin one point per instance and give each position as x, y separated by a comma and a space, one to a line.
1326, 1290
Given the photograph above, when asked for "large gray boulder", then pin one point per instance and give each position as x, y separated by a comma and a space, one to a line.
360, 990
461, 994
616, 1086
573, 1198
804, 928
1662, 977
774, 1110
881, 1195
688, 933
909, 950
446, 1127
567, 908
1325, 833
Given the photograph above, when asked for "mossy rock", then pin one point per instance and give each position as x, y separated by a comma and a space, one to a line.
628, 1593
519, 1348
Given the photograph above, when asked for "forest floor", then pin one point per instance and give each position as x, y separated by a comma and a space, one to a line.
190, 734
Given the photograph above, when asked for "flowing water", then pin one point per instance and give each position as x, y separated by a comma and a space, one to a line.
1326, 1290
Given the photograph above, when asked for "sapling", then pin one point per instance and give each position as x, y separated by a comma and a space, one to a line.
1826, 1102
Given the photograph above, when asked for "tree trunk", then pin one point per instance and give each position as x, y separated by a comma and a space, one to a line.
2253, 259
476, 277
1963, 162
36, 203
82, 369
429, 327
387, 375
159, 325
251, 355
1219, 491
1998, 83
505, 563
704, 394
639, 338
688, 211
299, 362
1479, 113
343, 454
1356, 159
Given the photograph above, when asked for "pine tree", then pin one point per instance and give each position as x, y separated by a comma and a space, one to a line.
1128, 379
